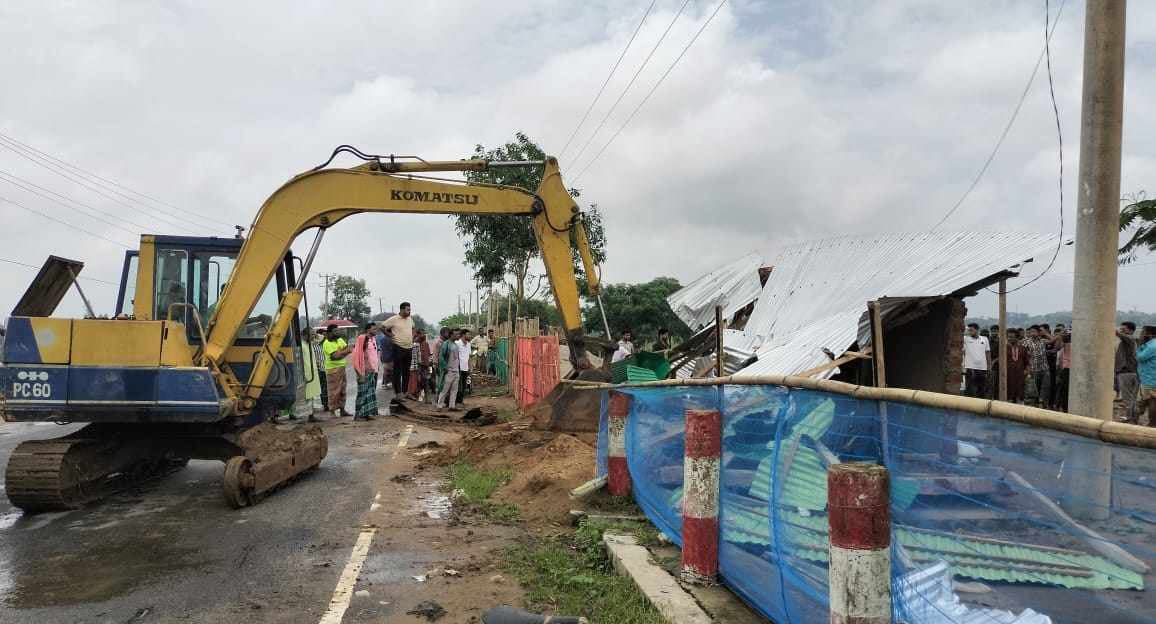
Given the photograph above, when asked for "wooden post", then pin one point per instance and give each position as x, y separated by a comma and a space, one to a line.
880, 373
700, 501
859, 517
720, 354
877, 344
1002, 339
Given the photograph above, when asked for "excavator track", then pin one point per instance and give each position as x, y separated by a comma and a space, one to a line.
71, 472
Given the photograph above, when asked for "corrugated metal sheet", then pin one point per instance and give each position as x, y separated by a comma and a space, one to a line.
818, 290
732, 286
926, 597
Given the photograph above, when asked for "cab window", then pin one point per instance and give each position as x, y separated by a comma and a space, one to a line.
172, 281
211, 273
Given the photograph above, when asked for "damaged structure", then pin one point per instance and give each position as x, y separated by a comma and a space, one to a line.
805, 307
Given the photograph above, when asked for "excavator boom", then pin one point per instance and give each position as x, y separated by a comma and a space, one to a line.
322, 197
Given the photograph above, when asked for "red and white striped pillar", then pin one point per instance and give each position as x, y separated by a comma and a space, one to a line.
618, 474
700, 495
858, 511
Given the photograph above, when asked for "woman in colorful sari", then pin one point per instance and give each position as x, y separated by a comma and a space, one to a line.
365, 359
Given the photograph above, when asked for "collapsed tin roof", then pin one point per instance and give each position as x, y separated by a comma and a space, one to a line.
817, 292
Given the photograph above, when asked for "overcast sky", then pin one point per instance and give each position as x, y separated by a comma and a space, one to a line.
786, 121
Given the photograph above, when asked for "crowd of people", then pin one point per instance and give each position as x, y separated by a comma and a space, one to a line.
1039, 361
402, 358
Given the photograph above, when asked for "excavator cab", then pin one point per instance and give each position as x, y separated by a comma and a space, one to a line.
194, 271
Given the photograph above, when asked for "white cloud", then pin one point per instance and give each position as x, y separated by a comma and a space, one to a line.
785, 121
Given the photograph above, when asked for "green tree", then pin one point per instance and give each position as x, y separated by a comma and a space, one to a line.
642, 308
498, 246
349, 300
1139, 218
455, 320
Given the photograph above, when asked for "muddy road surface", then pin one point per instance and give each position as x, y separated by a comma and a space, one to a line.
364, 538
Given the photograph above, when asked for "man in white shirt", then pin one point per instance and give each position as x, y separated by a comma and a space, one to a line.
625, 347
463, 364
976, 362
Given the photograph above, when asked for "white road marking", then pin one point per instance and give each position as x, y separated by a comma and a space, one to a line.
344, 591
403, 439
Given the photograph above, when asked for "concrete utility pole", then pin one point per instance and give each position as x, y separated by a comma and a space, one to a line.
327, 280
1088, 467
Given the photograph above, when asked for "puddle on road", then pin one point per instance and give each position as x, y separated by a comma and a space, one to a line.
396, 566
435, 506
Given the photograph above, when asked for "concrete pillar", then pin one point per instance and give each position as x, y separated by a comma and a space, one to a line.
700, 495
858, 499
618, 474
1088, 470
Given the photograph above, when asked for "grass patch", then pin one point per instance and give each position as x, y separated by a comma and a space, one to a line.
475, 486
506, 415
571, 575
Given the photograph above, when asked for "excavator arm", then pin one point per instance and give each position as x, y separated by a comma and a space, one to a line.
322, 197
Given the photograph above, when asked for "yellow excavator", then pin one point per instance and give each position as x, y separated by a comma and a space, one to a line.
205, 347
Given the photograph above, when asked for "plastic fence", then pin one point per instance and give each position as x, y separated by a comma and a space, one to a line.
979, 534
502, 361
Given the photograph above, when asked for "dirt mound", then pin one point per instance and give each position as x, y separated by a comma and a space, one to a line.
545, 466
543, 479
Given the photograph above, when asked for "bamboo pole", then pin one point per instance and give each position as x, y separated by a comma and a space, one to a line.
1123, 434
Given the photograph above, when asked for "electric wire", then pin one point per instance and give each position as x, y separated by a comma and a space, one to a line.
607, 81
1060, 137
1011, 121
652, 90
65, 223
633, 78
48, 194
83, 277
91, 182
207, 218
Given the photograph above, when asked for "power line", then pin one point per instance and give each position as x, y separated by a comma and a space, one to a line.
101, 178
1015, 113
83, 277
1060, 137
652, 89
613, 106
94, 183
65, 223
607, 81
40, 191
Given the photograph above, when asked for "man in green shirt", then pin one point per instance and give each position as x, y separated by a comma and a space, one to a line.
335, 351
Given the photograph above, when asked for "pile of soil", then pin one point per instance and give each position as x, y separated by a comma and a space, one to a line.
545, 466
543, 479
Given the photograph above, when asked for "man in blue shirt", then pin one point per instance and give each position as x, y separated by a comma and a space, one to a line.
1146, 357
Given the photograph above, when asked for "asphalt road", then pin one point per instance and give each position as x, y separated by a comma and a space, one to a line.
172, 551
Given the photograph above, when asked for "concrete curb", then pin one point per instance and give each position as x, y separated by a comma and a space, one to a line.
660, 588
